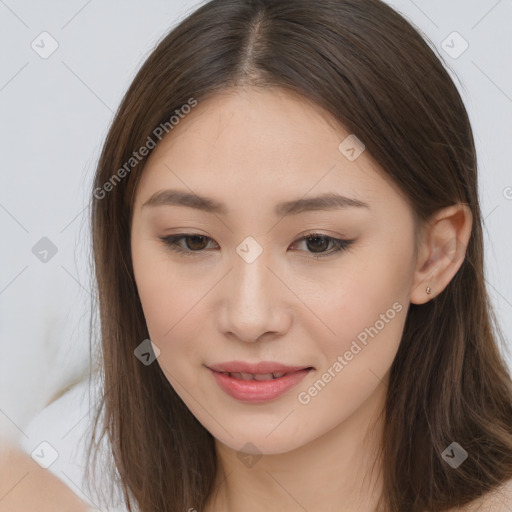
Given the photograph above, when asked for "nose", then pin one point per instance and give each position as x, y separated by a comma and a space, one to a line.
255, 303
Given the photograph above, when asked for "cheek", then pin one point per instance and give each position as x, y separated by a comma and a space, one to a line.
171, 300
167, 311
368, 329
161, 293
366, 306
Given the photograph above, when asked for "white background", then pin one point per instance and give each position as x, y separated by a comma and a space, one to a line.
55, 113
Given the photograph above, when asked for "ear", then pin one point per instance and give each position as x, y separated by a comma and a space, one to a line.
442, 249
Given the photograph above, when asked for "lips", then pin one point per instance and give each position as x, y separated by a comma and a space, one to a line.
258, 382
261, 368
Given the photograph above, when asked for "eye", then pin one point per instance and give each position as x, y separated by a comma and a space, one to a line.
195, 244
319, 243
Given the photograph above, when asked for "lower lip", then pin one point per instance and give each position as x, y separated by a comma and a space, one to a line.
258, 391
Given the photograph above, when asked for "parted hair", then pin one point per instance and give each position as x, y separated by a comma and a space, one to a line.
376, 73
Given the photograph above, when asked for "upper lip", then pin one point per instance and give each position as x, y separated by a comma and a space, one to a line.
262, 367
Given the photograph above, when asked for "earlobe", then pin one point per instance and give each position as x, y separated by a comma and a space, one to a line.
442, 250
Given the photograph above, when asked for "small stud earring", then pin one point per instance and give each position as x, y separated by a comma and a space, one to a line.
428, 289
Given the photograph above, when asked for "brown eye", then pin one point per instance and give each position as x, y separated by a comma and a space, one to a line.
197, 242
318, 243
193, 243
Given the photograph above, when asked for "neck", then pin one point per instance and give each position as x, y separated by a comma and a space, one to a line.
339, 471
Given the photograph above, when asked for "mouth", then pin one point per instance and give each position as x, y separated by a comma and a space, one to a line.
257, 376
258, 383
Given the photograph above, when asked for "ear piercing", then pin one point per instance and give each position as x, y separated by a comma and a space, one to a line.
429, 290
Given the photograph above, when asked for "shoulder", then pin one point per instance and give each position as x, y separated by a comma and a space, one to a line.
498, 500
24, 486
66, 427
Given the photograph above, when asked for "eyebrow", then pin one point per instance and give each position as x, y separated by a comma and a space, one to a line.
326, 202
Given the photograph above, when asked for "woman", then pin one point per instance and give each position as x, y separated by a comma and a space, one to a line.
288, 248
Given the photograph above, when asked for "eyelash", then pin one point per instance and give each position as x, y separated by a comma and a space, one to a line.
339, 245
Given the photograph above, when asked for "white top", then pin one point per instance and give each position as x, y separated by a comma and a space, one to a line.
57, 440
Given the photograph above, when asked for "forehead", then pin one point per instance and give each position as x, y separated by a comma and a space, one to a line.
248, 145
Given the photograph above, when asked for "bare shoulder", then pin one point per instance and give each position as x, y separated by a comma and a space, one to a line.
499, 500
24, 485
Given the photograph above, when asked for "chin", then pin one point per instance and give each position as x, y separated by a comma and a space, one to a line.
260, 443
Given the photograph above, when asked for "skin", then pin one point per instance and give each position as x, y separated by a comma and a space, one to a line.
251, 149
24, 485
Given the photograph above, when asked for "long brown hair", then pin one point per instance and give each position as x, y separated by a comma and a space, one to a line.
376, 74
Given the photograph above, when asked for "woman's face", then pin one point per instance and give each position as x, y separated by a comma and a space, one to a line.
262, 284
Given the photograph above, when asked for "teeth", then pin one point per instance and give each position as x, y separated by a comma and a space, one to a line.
252, 376
263, 376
